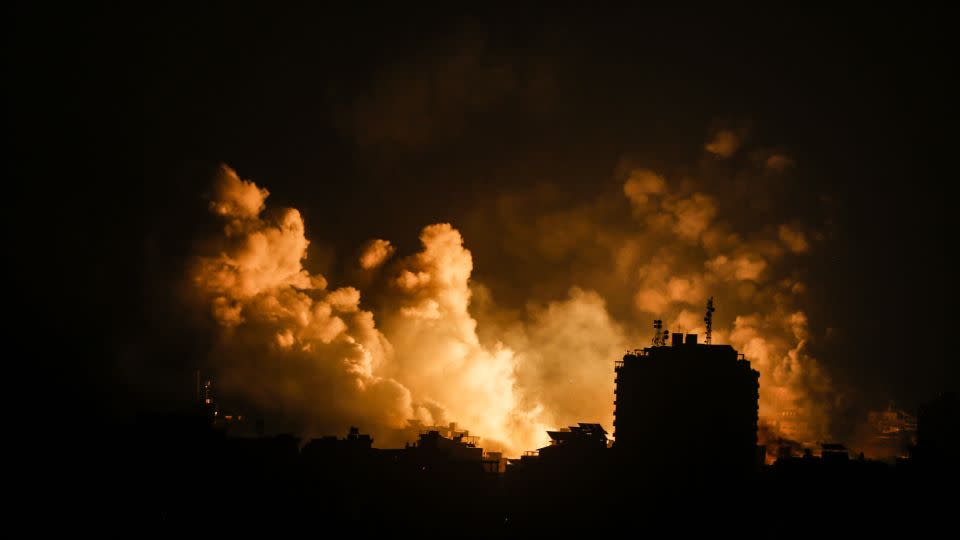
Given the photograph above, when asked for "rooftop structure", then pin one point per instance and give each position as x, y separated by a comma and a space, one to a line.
687, 404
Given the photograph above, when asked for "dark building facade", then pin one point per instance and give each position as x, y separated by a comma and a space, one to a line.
687, 407
938, 434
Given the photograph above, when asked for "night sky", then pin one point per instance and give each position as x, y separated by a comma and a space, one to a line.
379, 121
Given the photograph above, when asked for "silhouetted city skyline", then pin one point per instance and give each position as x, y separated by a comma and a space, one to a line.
393, 267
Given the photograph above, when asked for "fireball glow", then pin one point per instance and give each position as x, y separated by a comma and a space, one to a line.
431, 343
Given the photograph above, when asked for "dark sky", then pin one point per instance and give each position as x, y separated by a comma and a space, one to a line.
121, 115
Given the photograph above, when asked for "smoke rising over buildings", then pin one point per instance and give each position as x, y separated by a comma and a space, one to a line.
425, 340
591, 181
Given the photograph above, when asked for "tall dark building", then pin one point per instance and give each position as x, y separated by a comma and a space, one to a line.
687, 407
938, 434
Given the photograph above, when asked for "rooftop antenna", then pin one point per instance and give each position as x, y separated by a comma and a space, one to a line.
708, 319
660, 334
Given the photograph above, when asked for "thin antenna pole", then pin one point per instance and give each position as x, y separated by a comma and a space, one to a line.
708, 320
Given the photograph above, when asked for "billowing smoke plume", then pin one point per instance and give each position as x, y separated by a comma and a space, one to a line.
376, 253
658, 248
686, 251
441, 349
292, 345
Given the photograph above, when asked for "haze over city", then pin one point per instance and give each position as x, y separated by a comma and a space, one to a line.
411, 237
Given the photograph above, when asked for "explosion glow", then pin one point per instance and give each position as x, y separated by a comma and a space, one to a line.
506, 272
322, 355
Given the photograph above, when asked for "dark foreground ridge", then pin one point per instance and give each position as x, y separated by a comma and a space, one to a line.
179, 469
686, 447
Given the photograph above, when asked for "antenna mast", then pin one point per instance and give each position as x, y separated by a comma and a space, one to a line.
659, 334
708, 319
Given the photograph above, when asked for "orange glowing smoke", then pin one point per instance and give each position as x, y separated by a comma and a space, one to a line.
292, 344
